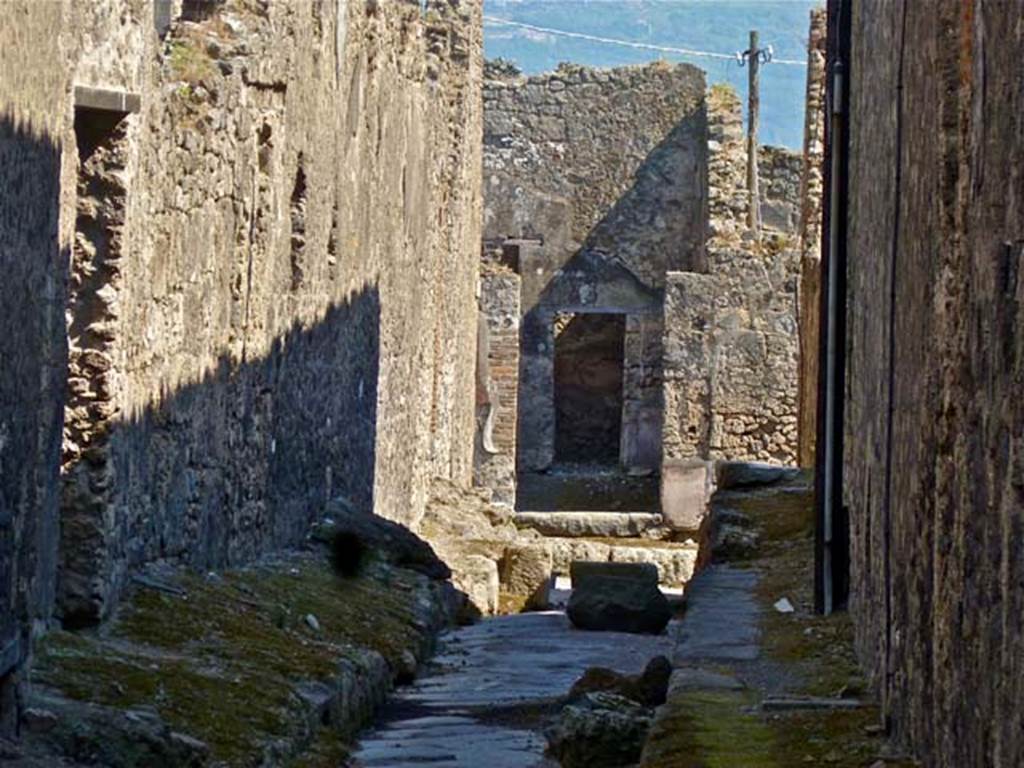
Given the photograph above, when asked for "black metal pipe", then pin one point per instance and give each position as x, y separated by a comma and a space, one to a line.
832, 544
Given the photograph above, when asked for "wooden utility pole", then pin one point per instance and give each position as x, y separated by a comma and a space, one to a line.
753, 56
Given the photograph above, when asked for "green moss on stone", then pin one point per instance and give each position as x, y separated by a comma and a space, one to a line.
222, 660
190, 62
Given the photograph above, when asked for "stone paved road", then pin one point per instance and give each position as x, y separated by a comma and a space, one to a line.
461, 712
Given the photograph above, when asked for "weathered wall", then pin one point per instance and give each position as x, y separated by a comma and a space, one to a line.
730, 338
934, 447
811, 192
780, 172
498, 385
33, 260
559, 136
273, 285
608, 217
301, 293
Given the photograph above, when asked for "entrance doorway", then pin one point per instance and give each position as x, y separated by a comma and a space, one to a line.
588, 388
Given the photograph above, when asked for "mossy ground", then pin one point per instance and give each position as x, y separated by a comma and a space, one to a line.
711, 729
814, 654
221, 661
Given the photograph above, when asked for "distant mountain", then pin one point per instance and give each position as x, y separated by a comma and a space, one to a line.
720, 26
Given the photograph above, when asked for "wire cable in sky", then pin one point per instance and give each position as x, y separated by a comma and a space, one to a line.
631, 44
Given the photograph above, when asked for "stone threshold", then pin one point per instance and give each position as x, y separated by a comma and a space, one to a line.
584, 524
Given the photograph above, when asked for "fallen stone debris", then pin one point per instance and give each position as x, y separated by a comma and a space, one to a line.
618, 597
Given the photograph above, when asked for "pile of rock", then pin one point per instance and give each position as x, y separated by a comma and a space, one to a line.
472, 535
605, 723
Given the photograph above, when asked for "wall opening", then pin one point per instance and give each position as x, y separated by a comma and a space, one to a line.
298, 221
93, 315
589, 388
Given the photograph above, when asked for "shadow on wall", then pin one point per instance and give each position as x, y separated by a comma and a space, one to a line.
33, 355
234, 466
665, 210
655, 226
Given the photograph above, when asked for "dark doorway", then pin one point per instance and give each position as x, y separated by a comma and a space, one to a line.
588, 388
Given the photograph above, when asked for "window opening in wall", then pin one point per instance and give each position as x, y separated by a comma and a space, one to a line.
589, 352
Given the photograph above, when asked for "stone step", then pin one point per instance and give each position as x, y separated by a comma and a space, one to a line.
676, 562
593, 524
528, 566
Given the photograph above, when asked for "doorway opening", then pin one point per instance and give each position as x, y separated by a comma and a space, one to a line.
589, 352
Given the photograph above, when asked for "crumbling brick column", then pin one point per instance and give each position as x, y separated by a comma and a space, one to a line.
498, 385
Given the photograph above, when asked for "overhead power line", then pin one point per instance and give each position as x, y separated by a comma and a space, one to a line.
737, 57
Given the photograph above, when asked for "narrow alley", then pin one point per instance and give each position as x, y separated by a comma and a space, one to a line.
511, 384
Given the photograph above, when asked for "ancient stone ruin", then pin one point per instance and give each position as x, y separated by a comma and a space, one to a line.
656, 333
364, 403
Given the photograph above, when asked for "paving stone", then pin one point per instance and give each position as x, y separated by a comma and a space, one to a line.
512, 660
722, 617
694, 679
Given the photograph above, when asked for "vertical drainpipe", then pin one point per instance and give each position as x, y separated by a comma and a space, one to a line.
831, 581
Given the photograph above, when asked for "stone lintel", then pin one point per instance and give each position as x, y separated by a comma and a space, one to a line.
107, 99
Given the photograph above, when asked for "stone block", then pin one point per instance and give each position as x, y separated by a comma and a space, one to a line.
595, 524
618, 597
106, 99
583, 572
477, 577
685, 490
675, 563
740, 474
526, 568
565, 551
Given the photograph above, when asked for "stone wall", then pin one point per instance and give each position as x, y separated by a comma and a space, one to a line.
780, 172
557, 167
934, 453
273, 282
730, 340
601, 174
33, 260
811, 192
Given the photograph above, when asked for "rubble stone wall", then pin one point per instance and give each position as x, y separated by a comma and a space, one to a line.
640, 202
934, 450
730, 339
273, 285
